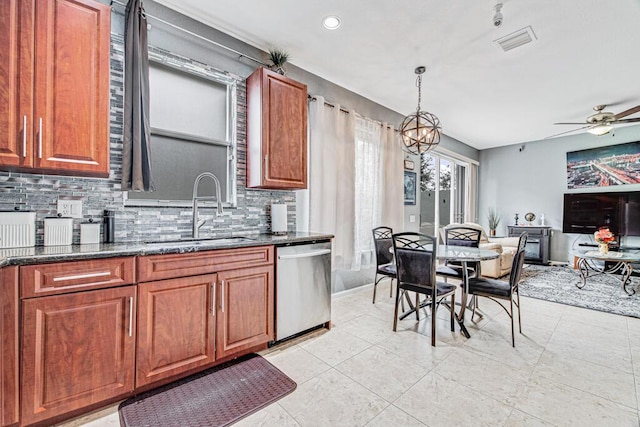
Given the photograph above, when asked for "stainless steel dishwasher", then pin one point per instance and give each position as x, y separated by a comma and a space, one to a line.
303, 287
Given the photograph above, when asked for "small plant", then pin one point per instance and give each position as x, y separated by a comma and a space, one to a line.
494, 218
278, 58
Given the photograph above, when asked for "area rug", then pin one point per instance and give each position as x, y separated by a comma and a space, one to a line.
558, 284
218, 396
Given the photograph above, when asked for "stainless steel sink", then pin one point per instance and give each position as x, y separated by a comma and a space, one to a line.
200, 242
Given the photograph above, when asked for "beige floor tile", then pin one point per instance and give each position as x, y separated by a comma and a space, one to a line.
520, 419
612, 352
333, 399
484, 375
437, 401
335, 346
385, 373
417, 348
298, 364
611, 384
272, 415
392, 416
369, 328
566, 406
581, 329
546, 307
596, 318
105, 417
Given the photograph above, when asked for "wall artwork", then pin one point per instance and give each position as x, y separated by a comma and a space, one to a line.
409, 188
604, 166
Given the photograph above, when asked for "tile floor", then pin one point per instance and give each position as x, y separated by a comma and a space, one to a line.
571, 366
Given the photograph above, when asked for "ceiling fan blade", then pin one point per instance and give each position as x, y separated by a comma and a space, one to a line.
628, 112
635, 120
569, 123
569, 131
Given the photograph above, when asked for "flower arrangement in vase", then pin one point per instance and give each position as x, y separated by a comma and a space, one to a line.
603, 237
278, 58
493, 218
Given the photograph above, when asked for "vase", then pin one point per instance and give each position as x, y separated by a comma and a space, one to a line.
603, 248
492, 232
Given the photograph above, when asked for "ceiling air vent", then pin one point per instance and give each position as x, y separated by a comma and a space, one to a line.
516, 39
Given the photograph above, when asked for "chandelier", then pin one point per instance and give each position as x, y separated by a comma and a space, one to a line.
421, 130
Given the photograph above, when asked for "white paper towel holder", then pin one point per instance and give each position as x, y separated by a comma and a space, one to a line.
278, 219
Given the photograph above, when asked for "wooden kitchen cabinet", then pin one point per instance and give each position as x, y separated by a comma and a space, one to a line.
245, 309
175, 327
54, 80
9, 346
78, 349
276, 131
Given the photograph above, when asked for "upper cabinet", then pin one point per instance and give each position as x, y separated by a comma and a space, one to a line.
276, 131
54, 86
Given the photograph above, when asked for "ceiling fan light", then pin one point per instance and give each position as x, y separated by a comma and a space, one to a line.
600, 129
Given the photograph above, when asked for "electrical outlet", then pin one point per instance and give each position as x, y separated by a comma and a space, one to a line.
70, 208
412, 218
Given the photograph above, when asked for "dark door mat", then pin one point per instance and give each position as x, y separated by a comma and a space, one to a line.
218, 396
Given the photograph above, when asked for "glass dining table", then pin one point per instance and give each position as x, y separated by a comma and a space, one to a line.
464, 255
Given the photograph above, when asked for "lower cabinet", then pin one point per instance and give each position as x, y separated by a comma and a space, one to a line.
245, 309
8, 346
77, 349
175, 327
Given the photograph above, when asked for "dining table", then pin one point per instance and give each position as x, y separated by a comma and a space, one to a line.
466, 256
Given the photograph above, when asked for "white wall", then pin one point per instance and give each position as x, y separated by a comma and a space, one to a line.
532, 177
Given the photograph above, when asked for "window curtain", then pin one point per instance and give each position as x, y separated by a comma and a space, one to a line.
331, 206
136, 154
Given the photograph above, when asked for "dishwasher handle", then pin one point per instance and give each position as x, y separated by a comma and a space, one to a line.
306, 254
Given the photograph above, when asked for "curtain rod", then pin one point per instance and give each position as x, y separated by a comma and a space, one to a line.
242, 55
328, 104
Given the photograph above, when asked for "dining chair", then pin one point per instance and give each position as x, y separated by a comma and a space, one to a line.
500, 290
459, 236
385, 266
415, 256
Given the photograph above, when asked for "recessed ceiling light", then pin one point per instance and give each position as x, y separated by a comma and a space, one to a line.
331, 22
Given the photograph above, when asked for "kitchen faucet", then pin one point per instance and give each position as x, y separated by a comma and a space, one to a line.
218, 197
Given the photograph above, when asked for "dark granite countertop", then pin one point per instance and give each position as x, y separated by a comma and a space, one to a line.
44, 254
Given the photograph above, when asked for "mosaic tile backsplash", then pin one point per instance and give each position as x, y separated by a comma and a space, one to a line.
39, 193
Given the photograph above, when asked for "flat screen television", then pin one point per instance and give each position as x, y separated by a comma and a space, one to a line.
585, 213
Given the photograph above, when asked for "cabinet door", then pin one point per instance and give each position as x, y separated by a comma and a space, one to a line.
77, 349
16, 73
276, 131
8, 345
71, 113
245, 309
175, 327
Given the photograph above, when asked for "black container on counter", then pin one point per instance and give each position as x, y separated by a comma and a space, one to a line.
109, 226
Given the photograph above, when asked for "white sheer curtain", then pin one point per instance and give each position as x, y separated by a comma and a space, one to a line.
355, 182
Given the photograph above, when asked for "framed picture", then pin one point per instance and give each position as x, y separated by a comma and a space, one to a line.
409, 188
604, 166
409, 165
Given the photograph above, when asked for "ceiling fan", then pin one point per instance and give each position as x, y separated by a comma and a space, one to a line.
602, 121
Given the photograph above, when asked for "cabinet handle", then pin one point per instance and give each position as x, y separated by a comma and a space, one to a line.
130, 316
24, 136
266, 166
40, 138
82, 276
222, 295
213, 299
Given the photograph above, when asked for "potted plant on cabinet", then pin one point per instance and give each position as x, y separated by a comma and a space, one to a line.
494, 218
278, 58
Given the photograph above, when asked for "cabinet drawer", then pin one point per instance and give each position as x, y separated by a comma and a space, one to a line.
156, 267
74, 276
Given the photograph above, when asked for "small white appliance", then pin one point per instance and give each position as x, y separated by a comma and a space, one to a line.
278, 218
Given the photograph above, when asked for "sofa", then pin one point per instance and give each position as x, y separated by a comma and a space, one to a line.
505, 246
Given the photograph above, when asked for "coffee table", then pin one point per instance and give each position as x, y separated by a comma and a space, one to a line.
591, 263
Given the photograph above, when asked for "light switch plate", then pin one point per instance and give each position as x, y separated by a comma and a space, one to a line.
412, 218
71, 208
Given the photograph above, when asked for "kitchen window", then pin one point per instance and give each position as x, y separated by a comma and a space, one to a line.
193, 121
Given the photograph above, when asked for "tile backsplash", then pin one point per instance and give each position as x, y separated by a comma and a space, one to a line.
39, 193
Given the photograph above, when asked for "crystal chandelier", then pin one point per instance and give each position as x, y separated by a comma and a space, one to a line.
421, 130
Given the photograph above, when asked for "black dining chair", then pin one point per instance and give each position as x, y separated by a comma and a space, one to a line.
415, 256
500, 290
459, 236
384, 258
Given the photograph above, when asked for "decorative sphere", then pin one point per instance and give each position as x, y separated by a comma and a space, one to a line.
530, 216
420, 132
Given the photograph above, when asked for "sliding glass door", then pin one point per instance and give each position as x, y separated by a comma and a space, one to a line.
444, 192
